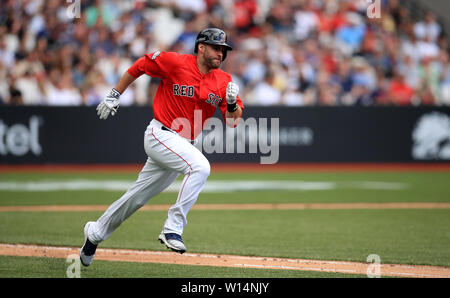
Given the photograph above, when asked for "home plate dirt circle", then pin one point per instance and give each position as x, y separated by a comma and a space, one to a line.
144, 256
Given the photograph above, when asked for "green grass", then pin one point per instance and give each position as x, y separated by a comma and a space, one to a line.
398, 236
415, 236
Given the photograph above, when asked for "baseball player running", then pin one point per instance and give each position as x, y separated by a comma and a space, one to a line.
191, 86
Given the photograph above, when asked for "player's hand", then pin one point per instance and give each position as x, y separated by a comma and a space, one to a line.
109, 105
232, 92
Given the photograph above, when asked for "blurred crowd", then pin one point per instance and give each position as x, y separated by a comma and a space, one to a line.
286, 52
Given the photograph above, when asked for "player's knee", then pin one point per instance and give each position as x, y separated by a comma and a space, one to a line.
203, 168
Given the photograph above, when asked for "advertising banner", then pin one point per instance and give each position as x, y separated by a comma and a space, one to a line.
266, 135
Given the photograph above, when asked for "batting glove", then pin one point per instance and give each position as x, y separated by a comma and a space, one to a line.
232, 92
109, 105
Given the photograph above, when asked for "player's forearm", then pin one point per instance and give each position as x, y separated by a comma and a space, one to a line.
232, 118
124, 82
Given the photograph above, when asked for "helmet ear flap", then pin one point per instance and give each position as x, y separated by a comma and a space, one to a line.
224, 55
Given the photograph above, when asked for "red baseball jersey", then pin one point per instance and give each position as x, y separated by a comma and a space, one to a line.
185, 96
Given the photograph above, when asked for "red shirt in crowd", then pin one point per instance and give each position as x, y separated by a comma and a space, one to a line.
400, 93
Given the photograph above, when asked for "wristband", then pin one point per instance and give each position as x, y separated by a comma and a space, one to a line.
114, 93
232, 107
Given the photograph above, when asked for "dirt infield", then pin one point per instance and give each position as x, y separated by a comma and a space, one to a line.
142, 256
238, 167
288, 206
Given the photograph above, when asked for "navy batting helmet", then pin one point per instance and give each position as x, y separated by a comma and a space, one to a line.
213, 36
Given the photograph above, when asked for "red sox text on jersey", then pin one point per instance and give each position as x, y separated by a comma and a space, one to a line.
183, 89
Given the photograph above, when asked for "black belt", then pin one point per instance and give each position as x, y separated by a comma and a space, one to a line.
168, 129
165, 128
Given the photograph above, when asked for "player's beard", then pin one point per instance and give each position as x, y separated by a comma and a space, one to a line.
212, 62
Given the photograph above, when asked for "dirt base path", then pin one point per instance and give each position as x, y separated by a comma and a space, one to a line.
127, 255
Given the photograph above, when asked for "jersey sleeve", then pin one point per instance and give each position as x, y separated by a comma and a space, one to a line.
157, 64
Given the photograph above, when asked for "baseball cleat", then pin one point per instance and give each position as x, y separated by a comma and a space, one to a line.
172, 241
87, 252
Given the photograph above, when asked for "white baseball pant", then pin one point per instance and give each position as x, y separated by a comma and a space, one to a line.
168, 156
